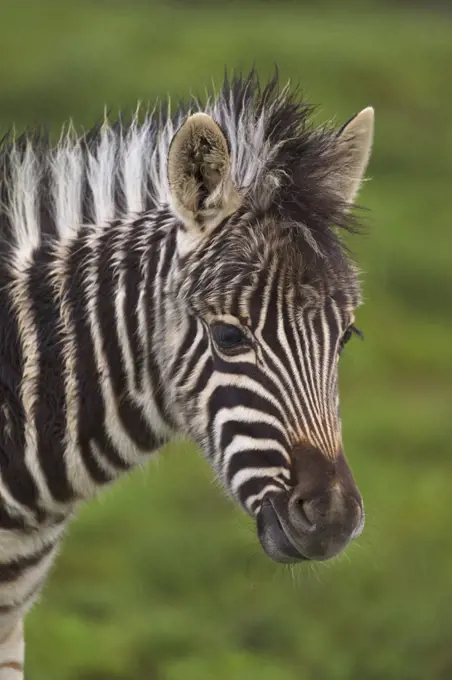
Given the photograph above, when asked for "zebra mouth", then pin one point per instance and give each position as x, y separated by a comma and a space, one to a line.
275, 540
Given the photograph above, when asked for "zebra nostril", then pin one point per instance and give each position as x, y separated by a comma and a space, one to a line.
302, 514
310, 512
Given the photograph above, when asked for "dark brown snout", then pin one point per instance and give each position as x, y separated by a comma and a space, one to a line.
319, 517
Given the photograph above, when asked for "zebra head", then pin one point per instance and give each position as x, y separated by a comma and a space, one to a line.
266, 297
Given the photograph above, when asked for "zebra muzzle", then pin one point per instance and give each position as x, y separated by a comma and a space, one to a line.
318, 518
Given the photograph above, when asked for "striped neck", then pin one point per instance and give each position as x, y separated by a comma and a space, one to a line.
91, 317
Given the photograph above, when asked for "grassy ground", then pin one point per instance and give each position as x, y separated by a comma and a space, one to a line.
162, 578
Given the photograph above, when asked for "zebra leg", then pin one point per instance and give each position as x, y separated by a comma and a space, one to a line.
12, 648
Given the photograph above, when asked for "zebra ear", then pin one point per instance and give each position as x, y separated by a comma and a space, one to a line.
199, 174
355, 145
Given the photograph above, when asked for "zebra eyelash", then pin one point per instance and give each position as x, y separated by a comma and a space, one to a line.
357, 331
347, 336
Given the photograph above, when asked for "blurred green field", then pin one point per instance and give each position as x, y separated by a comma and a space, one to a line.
162, 578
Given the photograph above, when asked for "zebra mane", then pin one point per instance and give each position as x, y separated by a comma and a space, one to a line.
119, 169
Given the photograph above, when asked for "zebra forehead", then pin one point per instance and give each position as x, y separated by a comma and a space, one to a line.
246, 260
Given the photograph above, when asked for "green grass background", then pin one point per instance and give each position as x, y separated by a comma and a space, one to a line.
162, 578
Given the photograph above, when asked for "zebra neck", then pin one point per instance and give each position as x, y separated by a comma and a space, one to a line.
90, 321
124, 409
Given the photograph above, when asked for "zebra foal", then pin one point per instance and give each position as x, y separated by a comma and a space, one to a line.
168, 275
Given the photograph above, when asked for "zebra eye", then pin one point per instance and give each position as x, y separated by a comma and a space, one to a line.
228, 337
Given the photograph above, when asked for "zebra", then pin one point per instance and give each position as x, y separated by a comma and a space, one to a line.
173, 274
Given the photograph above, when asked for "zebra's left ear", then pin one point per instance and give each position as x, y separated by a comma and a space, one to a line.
355, 140
199, 174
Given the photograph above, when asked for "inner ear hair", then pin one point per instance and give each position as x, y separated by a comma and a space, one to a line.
199, 171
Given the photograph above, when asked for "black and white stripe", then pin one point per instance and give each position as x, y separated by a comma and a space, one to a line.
110, 289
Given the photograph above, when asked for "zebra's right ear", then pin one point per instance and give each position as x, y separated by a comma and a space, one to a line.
199, 174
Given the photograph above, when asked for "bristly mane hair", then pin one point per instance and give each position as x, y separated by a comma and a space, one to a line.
284, 165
